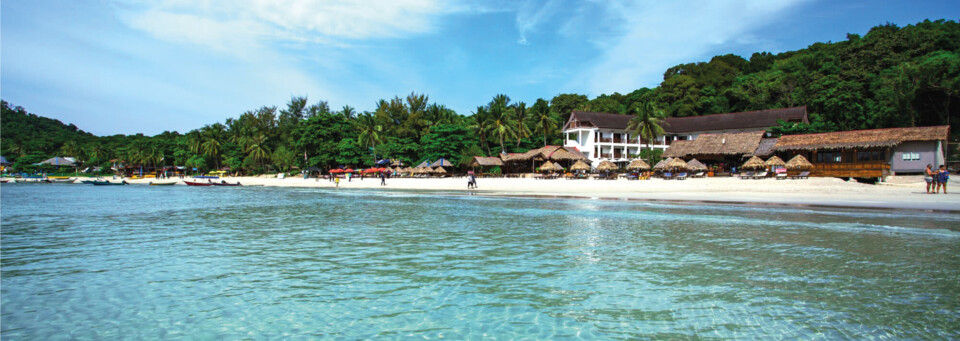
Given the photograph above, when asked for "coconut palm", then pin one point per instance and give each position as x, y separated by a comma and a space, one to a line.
70, 148
211, 148
519, 111
501, 122
370, 131
257, 148
348, 112
545, 123
646, 124
481, 125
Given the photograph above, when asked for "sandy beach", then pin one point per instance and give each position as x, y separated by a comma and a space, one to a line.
897, 193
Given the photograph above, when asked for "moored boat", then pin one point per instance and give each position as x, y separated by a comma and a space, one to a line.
194, 183
163, 183
33, 181
224, 183
108, 183
59, 180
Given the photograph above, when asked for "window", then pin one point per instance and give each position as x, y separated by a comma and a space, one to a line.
910, 156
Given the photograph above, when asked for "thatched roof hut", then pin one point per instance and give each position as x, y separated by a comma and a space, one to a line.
440, 170
422, 170
716, 144
775, 161
425, 163
662, 164
580, 166
696, 165
753, 163
552, 153
550, 167
442, 162
485, 161
874, 138
799, 162
606, 166
638, 164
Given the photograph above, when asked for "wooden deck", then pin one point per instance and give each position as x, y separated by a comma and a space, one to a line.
851, 170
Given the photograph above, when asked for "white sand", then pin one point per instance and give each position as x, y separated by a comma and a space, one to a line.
900, 192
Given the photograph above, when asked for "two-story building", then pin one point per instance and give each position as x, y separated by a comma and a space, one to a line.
604, 136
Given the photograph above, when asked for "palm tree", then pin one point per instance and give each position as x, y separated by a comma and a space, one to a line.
96, 153
370, 131
501, 122
257, 148
348, 112
211, 148
647, 124
194, 140
546, 124
18, 148
520, 114
70, 148
480, 125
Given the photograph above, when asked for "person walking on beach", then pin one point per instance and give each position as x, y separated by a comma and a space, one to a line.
942, 177
337, 181
471, 181
383, 179
928, 175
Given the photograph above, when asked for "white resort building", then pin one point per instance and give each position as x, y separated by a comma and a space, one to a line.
603, 136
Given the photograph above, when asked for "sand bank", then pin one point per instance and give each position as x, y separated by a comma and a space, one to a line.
900, 193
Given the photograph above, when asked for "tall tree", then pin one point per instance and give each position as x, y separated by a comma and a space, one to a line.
545, 123
481, 125
646, 124
370, 131
519, 112
501, 123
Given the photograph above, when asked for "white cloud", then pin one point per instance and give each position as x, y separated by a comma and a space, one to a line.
658, 35
531, 14
237, 24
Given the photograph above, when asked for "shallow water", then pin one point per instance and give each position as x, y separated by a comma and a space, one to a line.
182, 262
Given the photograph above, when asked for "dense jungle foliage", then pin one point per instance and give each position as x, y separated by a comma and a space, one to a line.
891, 77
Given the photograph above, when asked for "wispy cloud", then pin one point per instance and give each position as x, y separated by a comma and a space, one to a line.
532, 14
654, 36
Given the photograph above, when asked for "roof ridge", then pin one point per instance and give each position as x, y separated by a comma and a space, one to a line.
736, 113
874, 129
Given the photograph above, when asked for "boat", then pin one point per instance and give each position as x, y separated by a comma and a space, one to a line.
163, 183
194, 183
33, 181
62, 180
210, 183
3, 181
224, 183
108, 183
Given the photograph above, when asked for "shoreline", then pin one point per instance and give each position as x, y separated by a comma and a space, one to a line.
907, 193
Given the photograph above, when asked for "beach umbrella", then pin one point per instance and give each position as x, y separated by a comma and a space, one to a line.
638, 164
348, 170
696, 165
775, 161
580, 166
440, 170
335, 171
753, 163
550, 167
442, 162
662, 164
676, 163
606, 166
370, 170
799, 162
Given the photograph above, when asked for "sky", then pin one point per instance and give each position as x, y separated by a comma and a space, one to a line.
130, 66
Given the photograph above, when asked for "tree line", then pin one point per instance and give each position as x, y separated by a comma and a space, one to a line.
890, 77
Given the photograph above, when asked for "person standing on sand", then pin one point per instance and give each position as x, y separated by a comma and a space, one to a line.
942, 177
337, 181
928, 175
383, 179
471, 181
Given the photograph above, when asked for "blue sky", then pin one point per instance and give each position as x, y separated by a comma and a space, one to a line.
129, 66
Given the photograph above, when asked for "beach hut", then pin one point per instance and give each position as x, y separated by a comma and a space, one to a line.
753, 163
775, 161
442, 162
638, 164
424, 164
695, 165
550, 167
57, 161
676, 163
580, 166
799, 162
440, 170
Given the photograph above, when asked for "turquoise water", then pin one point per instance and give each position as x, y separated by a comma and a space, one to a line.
141, 262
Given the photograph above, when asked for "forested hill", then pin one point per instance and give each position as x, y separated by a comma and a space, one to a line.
891, 77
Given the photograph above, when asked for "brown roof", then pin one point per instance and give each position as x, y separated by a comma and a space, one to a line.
555, 153
716, 144
485, 161
766, 147
758, 120
888, 137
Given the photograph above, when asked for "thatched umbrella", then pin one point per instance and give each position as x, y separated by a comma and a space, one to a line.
696, 165
580, 166
753, 163
440, 170
638, 164
550, 167
775, 161
676, 163
799, 162
422, 170
606, 166
662, 164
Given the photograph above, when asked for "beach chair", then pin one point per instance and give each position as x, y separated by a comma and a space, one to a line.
667, 176
682, 176
698, 175
781, 173
747, 175
760, 175
802, 175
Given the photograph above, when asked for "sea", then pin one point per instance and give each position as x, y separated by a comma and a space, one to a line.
197, 263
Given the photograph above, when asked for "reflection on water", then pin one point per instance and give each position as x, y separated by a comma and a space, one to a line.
229, 263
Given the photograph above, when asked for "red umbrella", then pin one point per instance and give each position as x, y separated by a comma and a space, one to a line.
381, 169
469, 172
370, 170
349, 170
336, 170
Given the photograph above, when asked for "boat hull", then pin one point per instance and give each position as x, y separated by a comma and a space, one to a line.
108, 183
163, 183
